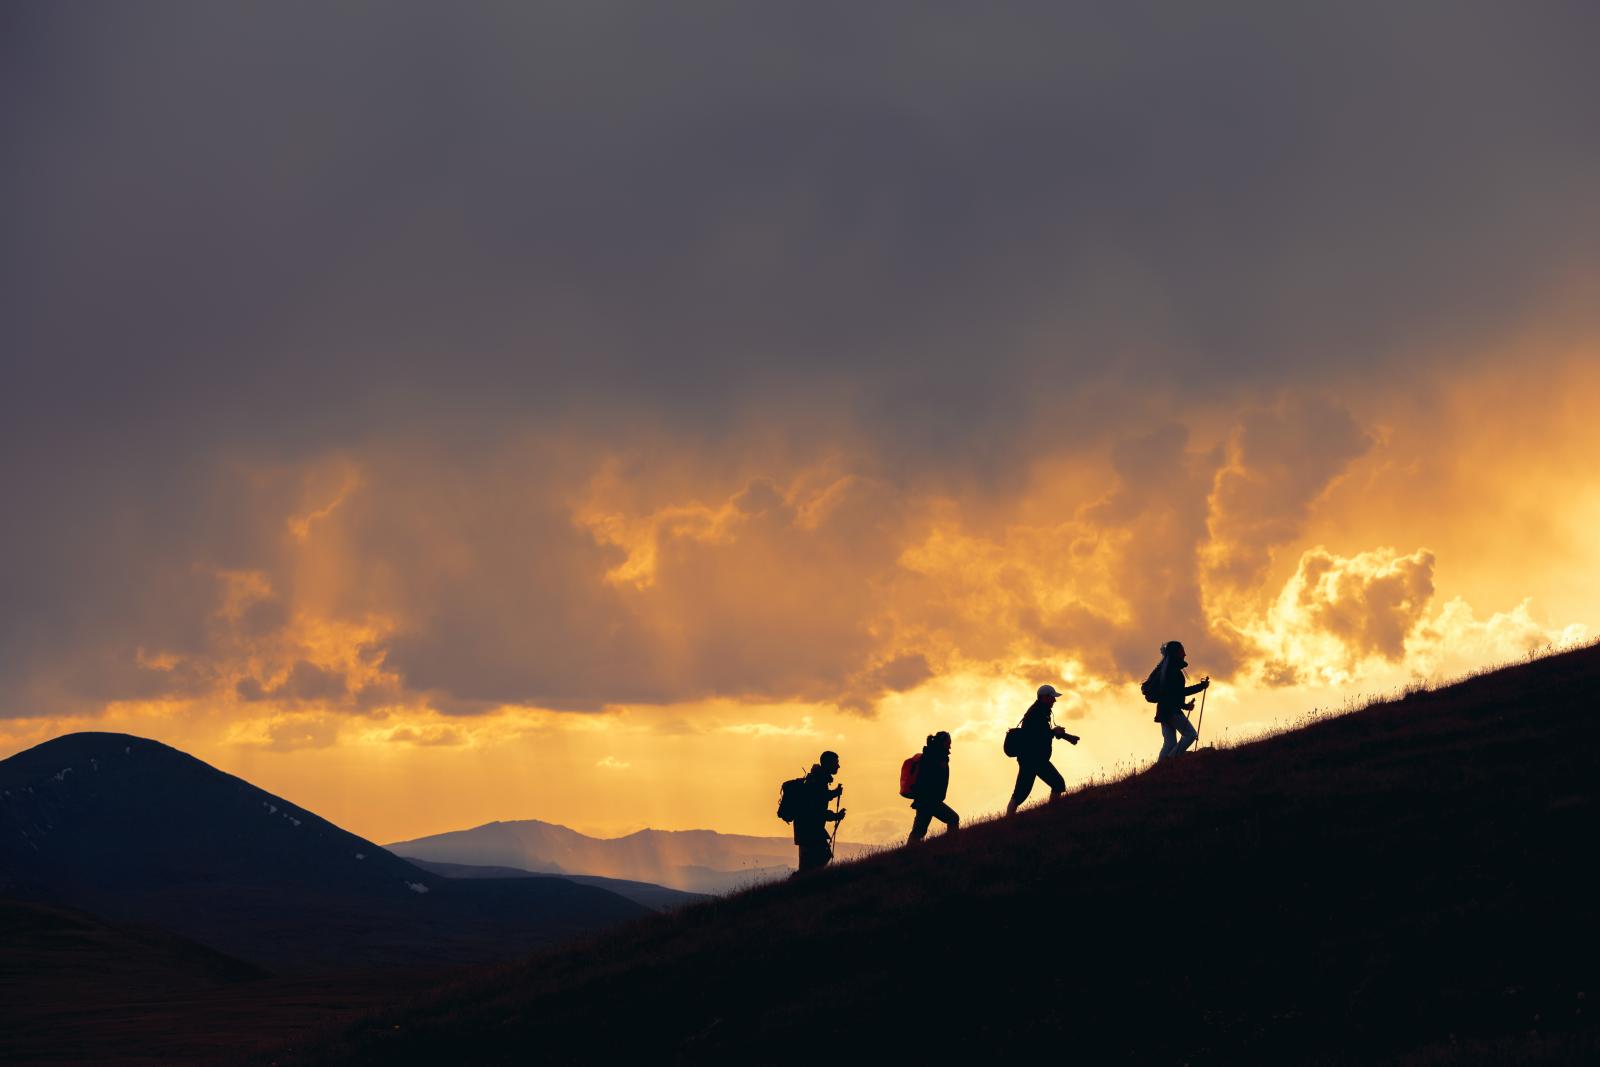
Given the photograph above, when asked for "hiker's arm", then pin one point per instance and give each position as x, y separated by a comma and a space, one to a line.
1204, 683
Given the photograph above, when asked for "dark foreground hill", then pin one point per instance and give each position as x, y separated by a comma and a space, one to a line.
696, 861
1407, 883
78, 990
135, 831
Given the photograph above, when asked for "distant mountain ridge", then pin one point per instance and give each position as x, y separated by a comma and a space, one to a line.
134, 830
696, 861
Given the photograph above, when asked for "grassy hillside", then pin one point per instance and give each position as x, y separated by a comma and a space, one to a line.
1408, 882
56, 964
79, 990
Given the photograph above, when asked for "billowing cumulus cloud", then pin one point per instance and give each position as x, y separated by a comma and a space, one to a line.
1454, 640
528, 573
1336, 612
1279, 460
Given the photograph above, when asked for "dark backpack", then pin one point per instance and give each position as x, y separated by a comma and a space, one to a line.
1152, 686
908, 776
1013, 742
791, 795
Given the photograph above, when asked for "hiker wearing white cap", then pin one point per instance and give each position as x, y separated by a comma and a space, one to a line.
1030, 743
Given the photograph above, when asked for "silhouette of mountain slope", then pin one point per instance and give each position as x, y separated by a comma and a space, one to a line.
53, 954
654, 897
1404, 882
79, 990
134, 830
55, 962
698, 861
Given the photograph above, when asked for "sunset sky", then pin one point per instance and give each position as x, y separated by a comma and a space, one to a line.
591, 411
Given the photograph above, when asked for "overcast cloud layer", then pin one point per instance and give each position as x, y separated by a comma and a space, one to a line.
592, 354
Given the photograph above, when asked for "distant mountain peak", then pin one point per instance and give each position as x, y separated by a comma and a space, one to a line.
134, 829
696, 861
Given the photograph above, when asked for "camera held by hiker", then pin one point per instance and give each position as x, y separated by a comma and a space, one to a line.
924, 780
1030, 742
1167, 688
804, 802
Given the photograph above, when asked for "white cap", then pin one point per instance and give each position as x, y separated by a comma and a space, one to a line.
1048, 691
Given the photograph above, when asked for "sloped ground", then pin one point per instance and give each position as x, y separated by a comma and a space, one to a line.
77, 989
1409, 882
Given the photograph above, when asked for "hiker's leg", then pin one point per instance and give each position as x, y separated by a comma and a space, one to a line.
1025, 773
1186, 728
919, 825
1052, 778
1169, 740
813, 857
946, 814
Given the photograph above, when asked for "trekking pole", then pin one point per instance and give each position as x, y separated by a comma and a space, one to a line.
1202, 721
835, 833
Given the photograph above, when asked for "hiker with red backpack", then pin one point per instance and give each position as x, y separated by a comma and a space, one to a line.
804, 802
924, 780
1166, 688
1030, 742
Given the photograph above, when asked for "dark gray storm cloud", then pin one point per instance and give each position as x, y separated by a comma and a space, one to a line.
255, 233
290, 211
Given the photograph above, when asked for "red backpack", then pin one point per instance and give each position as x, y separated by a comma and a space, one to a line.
908, 776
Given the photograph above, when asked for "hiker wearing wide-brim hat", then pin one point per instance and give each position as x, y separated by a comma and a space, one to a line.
1030, 742
1167, 688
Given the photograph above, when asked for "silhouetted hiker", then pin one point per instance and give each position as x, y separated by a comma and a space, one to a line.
1166, 688
805, 801
1030, 742
929, 788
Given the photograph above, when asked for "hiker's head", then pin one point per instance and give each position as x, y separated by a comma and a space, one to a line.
940, 740
829, 761
1049, 694
1173, 650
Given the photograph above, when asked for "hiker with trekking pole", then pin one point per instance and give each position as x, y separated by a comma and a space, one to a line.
1167, 688
804, 802
924, 780
1030, 742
